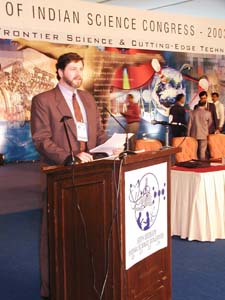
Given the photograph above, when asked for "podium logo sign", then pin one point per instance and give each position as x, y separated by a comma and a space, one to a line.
145, 212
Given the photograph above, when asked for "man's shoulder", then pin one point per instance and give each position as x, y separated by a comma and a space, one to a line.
211, 105
221, 104
46, 94
85, 96
84, 93
199, 111
176, 107
203, 111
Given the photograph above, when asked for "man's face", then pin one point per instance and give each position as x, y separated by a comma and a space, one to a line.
182, 101
130, 99
214, 98
203, 98
72, 75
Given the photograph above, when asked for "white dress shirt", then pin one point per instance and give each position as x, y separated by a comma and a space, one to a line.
220, 113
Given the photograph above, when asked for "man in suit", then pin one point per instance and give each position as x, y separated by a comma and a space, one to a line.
50, 107
49, 136
179, 116
199, 123
212, 109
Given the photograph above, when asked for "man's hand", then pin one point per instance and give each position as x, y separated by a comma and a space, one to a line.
217, 131
84, 157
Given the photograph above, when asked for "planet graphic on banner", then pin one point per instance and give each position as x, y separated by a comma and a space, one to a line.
164, 88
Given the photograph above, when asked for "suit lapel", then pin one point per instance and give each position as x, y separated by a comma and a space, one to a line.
64, 110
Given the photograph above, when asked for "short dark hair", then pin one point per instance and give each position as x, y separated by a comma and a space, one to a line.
215, 94
203, 93
130, 96
179, 97
65, 59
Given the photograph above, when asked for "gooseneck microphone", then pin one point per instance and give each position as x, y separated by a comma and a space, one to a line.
126, 145
70, 160
156, 122
108, 111
167, 124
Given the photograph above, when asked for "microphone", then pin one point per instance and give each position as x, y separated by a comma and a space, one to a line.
126, 145
109, 112
70, 160
144, 135
177, 124
156, 122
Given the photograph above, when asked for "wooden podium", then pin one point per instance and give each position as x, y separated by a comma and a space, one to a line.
86, 217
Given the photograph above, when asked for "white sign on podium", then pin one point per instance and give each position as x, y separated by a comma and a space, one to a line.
145, 212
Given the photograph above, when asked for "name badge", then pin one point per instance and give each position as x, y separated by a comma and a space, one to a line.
82, 132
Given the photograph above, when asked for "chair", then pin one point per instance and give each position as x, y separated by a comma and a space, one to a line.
189, 147
216, 144
148, 144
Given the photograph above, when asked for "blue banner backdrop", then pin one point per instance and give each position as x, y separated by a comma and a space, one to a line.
154, 77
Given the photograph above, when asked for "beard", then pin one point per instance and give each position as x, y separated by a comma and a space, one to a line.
74, 83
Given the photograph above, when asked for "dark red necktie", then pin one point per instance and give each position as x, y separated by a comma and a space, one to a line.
79, 118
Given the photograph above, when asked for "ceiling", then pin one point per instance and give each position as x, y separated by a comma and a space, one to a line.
204, 8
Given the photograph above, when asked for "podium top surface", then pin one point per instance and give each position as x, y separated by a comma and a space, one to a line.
128, 159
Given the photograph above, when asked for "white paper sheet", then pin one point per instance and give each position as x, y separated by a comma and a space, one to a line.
117, 141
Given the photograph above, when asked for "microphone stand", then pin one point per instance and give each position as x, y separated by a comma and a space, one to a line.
126, 145
167, 131
69, 161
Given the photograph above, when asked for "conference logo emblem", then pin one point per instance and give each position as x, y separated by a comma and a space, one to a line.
144, 197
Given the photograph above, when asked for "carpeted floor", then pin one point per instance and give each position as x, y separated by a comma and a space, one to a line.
198, 270
19, 258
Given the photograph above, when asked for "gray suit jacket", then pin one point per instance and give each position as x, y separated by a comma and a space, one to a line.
199, 123
48, 132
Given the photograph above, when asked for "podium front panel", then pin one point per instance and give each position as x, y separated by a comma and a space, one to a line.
86, 215
150, 278
79, 232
